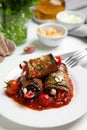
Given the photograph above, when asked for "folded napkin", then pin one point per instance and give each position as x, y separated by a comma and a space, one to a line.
79, 32
78, 6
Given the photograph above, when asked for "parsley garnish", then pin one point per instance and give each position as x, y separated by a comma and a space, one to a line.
41, 67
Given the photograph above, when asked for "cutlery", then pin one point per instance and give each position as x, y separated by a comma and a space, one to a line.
75, 57
65, 55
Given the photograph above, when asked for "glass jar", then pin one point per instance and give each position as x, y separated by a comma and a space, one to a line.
48, 9
14, 27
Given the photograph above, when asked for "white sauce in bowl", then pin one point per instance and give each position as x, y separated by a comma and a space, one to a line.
70, 17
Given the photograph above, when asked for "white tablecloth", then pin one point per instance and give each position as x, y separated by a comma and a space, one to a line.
69, 44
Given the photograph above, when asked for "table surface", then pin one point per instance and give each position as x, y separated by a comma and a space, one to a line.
69, 44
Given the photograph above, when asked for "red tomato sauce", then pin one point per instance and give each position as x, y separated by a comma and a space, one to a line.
60, 100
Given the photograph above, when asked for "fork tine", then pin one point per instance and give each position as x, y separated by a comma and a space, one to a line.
75, 58
71, 57
70, 60
81, 57
74, 64
80, 53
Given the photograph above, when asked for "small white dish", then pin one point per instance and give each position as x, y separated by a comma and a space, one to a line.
51, 41
39, 21
70, 19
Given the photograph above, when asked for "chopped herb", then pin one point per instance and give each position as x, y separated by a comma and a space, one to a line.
57, 83
41, 67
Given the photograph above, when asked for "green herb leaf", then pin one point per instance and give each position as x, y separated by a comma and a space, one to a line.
41, 67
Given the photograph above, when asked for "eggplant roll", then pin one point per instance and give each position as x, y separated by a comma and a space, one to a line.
30, 87
57, 80
42, 66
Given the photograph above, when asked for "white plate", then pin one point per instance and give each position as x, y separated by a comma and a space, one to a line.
42, 21
52, 117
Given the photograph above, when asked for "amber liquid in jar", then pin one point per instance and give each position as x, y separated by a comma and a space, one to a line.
47, 9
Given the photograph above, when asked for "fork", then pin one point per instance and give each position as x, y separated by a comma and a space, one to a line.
76, 58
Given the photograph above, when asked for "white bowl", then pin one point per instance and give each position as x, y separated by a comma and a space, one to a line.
70, 19
52, 41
